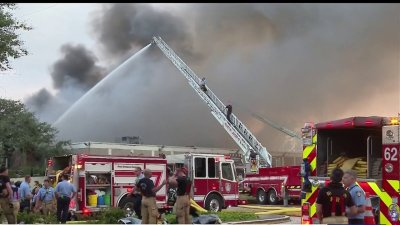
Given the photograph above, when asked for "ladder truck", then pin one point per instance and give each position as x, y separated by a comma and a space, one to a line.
237, 130
266, 183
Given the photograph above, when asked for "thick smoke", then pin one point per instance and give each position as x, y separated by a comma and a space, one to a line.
290, 63
76, 68
120, 28
40, 99
75, 73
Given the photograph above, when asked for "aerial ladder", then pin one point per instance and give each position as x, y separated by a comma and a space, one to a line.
273, 124
276, 126
247, 142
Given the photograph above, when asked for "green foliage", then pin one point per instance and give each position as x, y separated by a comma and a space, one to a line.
30, 218
94, 216
21, 133
225, 216
171, 218
50, 219
111, 216
10, 44
27, 217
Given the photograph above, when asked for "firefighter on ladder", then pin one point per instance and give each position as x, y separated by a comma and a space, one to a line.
253, 161
333, 199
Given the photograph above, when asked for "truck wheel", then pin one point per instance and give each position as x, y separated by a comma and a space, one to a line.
272, 197
127, 202
261, 197
213, 203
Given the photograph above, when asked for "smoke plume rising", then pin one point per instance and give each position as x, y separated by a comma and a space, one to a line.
289, 63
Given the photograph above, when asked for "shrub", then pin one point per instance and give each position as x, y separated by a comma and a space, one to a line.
111, 216
225, 216
27, 217
31, 218
171, 218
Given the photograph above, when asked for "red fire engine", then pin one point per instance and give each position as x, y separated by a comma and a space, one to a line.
215, 185
270, 185
376, 140
111, 177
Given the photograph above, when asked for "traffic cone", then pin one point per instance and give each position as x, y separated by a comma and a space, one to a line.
368, 216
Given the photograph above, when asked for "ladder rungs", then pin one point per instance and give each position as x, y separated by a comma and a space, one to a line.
236, 123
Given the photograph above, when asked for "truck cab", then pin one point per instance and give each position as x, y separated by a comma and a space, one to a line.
215, 185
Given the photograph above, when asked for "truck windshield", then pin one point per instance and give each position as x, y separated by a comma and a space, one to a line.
227, 172
336, 145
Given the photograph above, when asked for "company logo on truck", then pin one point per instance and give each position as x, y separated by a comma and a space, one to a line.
389, 135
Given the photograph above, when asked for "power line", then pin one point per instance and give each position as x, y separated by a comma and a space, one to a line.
40, 10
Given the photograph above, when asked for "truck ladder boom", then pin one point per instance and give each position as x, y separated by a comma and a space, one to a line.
276, 126
237, 130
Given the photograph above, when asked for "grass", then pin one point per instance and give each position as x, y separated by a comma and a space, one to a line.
225, 216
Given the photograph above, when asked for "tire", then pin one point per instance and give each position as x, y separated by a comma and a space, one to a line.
272, 197
127, 202
261, 197
214, 203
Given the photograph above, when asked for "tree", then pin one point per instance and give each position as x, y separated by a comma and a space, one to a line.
10, 44
22, 134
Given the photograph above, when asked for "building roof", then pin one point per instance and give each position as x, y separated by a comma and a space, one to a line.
89, 145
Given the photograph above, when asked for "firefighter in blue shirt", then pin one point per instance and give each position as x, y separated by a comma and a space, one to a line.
357, 195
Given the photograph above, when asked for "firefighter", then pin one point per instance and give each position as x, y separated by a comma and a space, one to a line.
306, 170
64, 192
25, 194
8, 203
229, 112
357, 195
149, 208
46, 198
137, 201
183, 199
203, 84
332, 199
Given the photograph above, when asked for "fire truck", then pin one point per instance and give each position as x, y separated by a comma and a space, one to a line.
270, 185
112, 177
374, 139
262, 180
215, 185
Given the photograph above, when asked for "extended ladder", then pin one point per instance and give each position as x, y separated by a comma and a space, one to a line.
237, 130
276, 126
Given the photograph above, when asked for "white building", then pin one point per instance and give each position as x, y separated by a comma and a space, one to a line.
106, 148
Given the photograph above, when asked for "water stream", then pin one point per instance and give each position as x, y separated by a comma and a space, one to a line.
113, 75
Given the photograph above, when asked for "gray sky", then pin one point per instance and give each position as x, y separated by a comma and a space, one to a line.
53, 26
289, 62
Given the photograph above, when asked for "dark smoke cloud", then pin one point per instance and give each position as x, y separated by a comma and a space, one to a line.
40, 99
123, 27
73, 74
290, 63
77, 67
49, 107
